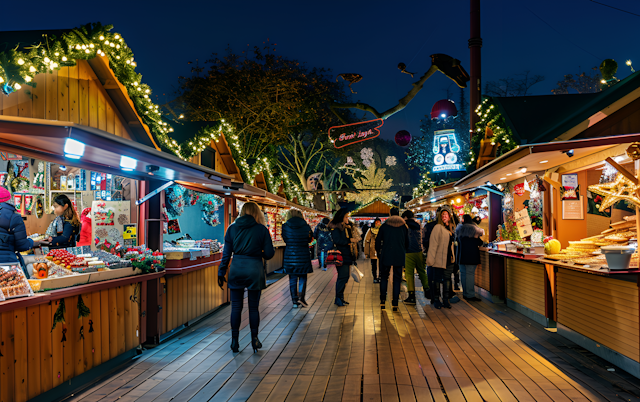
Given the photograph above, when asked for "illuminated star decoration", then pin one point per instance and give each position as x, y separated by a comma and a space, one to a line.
620, 189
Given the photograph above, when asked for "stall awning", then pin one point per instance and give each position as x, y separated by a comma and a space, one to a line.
45, 139
526, 159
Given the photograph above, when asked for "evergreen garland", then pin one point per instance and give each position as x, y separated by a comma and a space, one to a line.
83, 310
58, 317
18, 67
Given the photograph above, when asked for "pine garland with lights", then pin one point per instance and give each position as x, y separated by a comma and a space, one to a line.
425, 187
492, 118
18, 67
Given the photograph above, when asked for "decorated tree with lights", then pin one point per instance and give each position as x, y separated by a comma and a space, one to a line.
373, 184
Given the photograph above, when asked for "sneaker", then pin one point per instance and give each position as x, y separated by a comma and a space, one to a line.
411, 299
454, 299
324, 268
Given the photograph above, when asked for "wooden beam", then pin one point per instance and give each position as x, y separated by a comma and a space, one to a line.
623, 171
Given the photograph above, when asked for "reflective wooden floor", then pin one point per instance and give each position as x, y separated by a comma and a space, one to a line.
472, 352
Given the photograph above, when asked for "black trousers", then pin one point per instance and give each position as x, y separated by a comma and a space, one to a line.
384, 282
374, 268
437, 277
343, 278
237, 300
298, 287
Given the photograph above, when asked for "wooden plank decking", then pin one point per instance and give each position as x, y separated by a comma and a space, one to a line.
361, 353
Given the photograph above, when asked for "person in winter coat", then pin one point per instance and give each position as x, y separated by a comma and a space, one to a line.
414, 259
370, 248
356, 237
322, 234
296, 233
63, 208
13, 233
441, 257
391, 246
249, 242
468, 235
341, 236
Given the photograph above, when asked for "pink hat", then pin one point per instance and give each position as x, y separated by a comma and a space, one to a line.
5, 195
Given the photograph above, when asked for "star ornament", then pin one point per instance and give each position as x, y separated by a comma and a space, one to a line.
618, 190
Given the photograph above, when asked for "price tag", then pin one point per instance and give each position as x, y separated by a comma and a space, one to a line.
192, 256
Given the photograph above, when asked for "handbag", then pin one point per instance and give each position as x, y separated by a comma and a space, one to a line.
334, 257
356, 274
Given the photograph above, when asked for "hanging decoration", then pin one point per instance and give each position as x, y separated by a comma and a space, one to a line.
622, 189
402, 138
90, 326
64, 333
58, 317
391, 161
177, 197
83, 310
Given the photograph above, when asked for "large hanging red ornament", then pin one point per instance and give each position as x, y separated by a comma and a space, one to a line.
403, 138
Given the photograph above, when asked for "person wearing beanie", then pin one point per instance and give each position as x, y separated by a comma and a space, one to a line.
391, 247
13, 233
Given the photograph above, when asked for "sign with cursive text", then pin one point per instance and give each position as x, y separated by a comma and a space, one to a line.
349, 134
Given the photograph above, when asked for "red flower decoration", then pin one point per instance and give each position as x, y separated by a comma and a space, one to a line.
210, 203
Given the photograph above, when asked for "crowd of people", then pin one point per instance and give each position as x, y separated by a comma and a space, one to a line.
437, 252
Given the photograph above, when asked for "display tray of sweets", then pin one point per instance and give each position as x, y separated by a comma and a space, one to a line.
63, 278
178, 253
13, 283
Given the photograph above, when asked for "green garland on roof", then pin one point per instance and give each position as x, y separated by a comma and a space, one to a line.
502, 134
18, 67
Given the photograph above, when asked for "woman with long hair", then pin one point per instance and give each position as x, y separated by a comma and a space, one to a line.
297, 234
370, 248
67, 223
441, 257
249, 242
342, 241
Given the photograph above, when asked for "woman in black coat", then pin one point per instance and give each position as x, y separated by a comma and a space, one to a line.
342, 241
297, 234
248, 240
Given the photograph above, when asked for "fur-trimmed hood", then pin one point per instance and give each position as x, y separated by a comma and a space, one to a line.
468, 230
395, 221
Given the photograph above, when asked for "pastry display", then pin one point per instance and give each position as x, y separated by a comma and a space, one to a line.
13, 282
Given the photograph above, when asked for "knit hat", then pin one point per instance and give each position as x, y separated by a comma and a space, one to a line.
5, 195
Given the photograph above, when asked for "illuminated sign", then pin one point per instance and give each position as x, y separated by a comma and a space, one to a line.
445, 151
349, 134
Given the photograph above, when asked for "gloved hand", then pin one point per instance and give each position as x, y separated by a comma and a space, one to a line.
221, 281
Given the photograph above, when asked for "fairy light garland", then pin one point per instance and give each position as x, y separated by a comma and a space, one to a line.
425, 186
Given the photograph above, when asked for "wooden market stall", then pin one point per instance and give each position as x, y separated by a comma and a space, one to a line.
573, 286
83, 116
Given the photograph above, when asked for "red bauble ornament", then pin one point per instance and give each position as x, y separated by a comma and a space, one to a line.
403, 138
443, 108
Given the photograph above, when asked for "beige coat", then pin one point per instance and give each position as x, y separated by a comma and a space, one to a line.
370, 244
438, 242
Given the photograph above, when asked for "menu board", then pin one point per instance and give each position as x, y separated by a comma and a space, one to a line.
523, 222
572, 209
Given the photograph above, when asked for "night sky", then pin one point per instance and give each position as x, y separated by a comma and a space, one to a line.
547, 37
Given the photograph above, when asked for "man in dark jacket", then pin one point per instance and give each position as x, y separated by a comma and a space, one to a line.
13, 233
296, 233
414, 259
468, 235
322, 234
391, 246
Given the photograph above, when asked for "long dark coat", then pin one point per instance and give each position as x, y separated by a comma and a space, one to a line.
392, 242
296, 232
249, 242
342, 241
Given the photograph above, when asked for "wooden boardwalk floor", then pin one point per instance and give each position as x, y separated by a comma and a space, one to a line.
362, 353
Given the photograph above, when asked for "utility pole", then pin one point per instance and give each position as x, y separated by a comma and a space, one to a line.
475, 44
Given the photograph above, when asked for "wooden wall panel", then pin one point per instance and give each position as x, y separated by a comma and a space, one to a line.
102, 109
104, 325
608, 315
84, 79
93, 102
96, 314
120, 319
74, 95
483, 273
7, 358
46, 349
58, 349
21, 375
38, 97
10, 105
68, 345
51, 95
113, 323
87, 352
25, 102
525, 284
63, 94
34, 355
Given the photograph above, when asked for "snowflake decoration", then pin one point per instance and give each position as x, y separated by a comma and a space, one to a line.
367, 156
391, 160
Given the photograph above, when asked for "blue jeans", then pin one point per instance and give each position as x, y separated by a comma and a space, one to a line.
322, 259
468, 279
298, 287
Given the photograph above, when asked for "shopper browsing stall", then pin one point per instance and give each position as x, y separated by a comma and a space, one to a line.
13, 234
468, 235
296, 232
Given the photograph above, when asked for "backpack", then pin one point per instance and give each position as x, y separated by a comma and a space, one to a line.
334, 257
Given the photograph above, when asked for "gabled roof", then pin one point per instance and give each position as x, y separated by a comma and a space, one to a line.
539, 119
